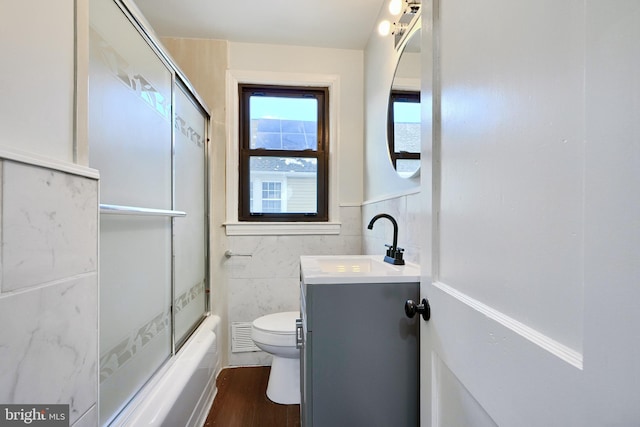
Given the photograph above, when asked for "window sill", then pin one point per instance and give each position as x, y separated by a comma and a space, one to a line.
281, 228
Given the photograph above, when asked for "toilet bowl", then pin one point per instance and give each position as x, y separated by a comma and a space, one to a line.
276, 334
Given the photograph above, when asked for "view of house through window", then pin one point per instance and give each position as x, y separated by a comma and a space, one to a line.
283, 146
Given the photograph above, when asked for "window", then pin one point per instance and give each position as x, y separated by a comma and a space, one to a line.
284, 152
271, 197
404, 131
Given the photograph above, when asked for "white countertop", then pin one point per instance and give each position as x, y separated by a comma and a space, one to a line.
338, 269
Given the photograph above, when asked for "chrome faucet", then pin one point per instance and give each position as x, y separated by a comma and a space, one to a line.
394, 253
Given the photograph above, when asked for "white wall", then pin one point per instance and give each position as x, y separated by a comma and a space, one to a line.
36, 116
48, 207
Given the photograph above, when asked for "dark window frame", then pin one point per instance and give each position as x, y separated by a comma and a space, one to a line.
399, 96
321, 154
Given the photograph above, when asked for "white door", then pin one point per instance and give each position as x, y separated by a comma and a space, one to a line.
533, 250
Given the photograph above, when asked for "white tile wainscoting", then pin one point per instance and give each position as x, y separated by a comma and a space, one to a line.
268, 281
49, 287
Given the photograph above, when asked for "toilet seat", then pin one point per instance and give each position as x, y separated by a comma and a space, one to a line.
278, 329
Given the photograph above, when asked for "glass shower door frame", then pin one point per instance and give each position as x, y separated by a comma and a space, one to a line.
121, 356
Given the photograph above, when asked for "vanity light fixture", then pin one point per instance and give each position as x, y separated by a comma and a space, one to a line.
404, 12
410, 12
399, 28
413, 6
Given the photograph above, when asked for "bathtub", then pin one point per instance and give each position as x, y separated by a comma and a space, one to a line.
182, 392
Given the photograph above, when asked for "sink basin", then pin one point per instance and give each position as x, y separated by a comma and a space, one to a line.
355, 269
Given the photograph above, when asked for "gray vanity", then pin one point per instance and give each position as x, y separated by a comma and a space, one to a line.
359, 352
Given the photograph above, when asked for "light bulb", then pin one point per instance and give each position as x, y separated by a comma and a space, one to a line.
395, 7
384, 28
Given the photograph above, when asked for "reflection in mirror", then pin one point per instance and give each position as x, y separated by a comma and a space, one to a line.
403, 121
404, 131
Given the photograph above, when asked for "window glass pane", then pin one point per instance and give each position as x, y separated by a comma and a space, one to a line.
407, 167
283, 185
406, 127
294, 141
280, 123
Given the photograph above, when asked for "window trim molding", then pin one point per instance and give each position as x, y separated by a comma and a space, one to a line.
236, 77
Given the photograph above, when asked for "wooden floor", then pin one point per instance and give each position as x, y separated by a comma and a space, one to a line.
242, 401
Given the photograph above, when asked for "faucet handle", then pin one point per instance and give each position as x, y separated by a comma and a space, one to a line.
391, 251
394, 255
394, 250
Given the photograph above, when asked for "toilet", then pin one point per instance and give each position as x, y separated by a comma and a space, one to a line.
276, 334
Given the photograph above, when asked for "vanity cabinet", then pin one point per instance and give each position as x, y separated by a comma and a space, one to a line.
359, 352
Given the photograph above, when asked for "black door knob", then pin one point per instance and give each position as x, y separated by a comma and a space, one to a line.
411, 308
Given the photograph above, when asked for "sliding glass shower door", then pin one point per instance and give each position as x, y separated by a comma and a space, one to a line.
147, 138
191, 234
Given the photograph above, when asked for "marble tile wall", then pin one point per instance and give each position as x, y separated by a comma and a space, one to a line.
405, 209
269, 280
48, 288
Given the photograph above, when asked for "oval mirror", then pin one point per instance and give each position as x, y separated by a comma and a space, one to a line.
403, 120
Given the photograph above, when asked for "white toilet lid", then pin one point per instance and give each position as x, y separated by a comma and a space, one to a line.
278, 323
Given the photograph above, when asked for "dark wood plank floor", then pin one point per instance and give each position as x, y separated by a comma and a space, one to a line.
242, 401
